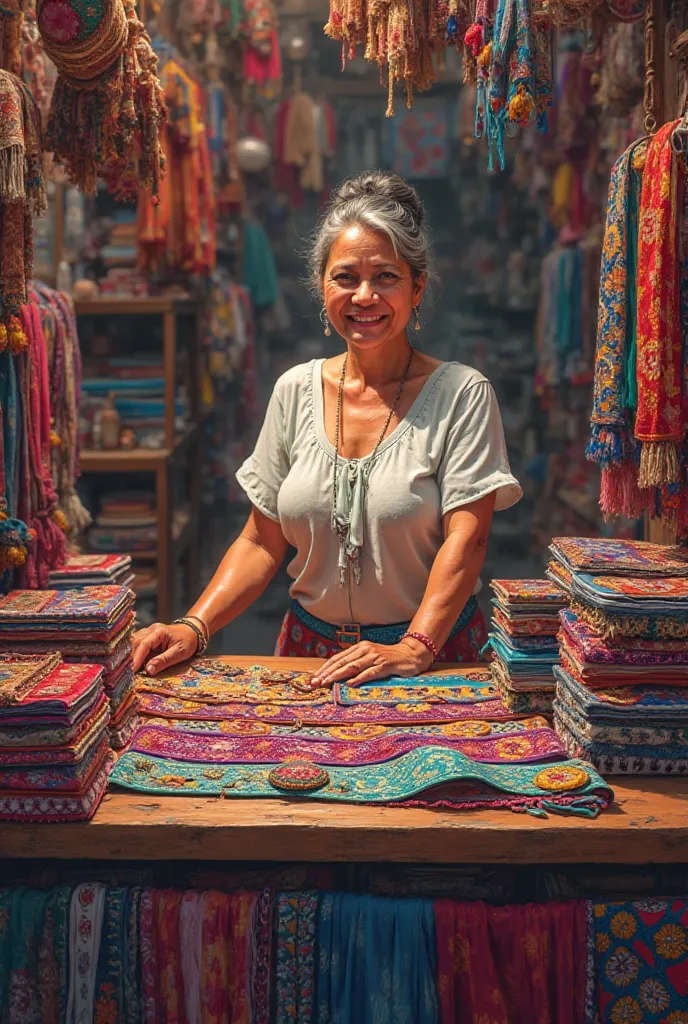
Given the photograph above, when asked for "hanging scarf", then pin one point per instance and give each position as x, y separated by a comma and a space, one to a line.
22, 193
295, 957
150, 974
133, 1007
659, 421
85, 926
169, 955
109, 981
190, 940
261, 957
615, 392
15, 537
107, 105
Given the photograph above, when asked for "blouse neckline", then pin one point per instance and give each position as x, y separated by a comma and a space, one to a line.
318, 412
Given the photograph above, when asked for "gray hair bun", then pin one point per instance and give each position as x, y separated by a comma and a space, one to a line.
380, 201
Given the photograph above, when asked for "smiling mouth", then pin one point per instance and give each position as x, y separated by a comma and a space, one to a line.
366, 319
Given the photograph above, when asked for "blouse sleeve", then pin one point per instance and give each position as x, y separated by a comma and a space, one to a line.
264, 471
474, 462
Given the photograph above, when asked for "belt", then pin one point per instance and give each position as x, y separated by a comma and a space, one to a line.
351, 633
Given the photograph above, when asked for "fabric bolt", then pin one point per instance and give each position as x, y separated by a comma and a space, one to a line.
150, 977
261, 957
190, 949
304, 636
295, 957
109, 998
432, 775
377, 961
85, 926
512, 965
392, 527
641, 954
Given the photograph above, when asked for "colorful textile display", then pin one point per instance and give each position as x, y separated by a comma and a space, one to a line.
524, 642
54, 750
305, 139
262, 61
179, 232
620, 700
488, 958
639, 414
424, 777
107, 107
89, 625
102, 952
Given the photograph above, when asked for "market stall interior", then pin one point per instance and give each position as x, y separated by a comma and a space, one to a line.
495, 830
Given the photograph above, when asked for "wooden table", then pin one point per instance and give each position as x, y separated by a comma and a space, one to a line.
648, 823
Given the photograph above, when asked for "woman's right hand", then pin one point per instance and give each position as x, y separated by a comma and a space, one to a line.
159, 647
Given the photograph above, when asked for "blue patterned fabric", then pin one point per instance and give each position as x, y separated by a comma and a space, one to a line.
376, 634
377, 961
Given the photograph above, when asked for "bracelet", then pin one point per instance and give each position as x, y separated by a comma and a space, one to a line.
201, 622
202, 642
425, 641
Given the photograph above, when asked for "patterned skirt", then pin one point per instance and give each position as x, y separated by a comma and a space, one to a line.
304, 636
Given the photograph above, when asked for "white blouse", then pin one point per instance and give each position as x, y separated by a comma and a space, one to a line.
447, 451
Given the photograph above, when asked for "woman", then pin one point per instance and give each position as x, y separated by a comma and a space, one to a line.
381, 466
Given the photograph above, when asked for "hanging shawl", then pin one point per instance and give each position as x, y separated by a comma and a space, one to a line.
10, 35
58, 324
107, 106
659, 421
22, 194
15, 537
615, 394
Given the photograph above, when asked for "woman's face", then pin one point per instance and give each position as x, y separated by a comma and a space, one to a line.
369, 291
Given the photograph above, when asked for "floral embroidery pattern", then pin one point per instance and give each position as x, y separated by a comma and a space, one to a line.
59, 21
642, 961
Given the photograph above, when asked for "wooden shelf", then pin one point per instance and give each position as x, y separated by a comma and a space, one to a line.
108, 305
647, 823
137, 459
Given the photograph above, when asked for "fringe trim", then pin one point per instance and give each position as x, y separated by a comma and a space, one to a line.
78, 517
660, 464
620, 494
642, 627
12, 176
608, 444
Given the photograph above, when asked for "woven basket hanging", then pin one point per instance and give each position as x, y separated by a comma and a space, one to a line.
108, 104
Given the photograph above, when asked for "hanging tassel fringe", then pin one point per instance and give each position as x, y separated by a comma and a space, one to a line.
660, 464
620, 494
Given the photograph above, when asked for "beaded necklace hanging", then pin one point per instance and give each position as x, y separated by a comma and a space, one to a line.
107, 107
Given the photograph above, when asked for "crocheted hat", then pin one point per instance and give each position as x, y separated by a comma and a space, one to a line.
108, 104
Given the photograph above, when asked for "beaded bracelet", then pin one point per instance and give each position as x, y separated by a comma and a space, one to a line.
202, 643
425, 640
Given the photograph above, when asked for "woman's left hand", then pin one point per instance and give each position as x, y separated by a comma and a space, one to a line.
365, 662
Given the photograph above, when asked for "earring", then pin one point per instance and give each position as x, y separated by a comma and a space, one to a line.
416, 312
325, 322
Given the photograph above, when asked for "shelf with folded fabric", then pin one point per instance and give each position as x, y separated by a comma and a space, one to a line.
177, 527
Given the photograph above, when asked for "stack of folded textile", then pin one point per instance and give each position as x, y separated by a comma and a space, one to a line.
55, 755
622, 687
523, 639
87, 625
126, 522
92, 571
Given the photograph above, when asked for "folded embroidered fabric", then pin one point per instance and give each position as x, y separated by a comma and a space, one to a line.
514, 594
581, 641
19, 673
522, 702
536, 744
668, 705
635, 730
435, 775
611, 759
91, 570
530, 624
50, 805
601, 556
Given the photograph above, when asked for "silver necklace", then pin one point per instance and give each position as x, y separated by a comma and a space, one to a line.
341, 529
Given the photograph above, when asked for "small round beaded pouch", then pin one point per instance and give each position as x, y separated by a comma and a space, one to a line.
298, 776
560, 778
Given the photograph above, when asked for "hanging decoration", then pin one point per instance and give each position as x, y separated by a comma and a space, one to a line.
262, 62
22, 194
11, 14
107, 107
404, 39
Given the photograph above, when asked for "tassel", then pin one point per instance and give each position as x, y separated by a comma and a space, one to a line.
79, 517
521, 106
18, 341
659, 464
620, 494
12, 179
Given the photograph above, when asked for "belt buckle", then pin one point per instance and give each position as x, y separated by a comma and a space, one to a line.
348, 634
